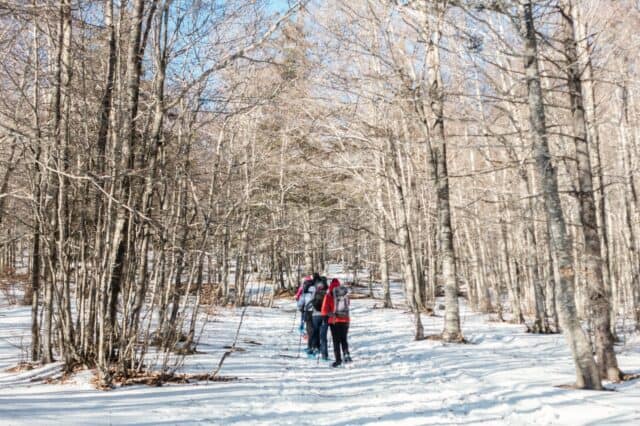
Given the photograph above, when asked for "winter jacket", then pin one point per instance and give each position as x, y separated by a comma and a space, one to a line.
299, 292
304, 303
329, 305
301, 288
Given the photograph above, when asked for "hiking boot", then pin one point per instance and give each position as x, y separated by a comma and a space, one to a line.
347, 358
336, 364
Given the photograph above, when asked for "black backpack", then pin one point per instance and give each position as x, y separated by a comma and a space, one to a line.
318, 298
306, 285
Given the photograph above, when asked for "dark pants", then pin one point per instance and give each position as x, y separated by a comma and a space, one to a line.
308, 320
320, 328
339, 333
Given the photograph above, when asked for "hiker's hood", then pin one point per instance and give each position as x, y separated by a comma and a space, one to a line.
334, 283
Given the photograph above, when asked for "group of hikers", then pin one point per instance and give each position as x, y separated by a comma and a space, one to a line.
322, 307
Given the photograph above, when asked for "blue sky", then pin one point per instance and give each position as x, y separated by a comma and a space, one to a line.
278, 5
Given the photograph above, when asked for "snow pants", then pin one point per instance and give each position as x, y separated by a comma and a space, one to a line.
339, 333
308, 320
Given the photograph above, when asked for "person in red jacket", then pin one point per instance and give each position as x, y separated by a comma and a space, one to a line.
336, 307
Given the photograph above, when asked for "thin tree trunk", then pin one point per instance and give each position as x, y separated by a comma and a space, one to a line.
629, 196
308, 248
553, 279
452, 331
404, 234
382, 238
512, 282
37, 179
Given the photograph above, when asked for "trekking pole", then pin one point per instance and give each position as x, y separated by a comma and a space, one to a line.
295, 315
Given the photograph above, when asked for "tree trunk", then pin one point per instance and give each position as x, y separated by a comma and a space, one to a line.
629, 198
36, 352
597, 293
593, 138
553, 279
452, 331
308, 247
587, 375
382, 237
404, 234
512, 282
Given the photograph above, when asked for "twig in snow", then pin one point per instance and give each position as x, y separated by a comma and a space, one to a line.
233, 346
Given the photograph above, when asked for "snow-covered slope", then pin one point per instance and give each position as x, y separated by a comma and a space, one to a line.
504, 377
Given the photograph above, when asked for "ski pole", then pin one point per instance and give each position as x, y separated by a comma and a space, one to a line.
295, 315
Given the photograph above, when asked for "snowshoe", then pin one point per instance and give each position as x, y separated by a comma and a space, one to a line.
336, 364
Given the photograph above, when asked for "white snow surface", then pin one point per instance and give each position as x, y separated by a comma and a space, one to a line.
503, 377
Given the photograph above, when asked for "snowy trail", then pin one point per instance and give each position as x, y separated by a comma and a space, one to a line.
504, 377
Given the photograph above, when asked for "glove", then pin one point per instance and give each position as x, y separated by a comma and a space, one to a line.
301, 328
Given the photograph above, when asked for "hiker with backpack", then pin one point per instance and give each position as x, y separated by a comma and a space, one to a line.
300, 302
320, 325
336, 307
305, 305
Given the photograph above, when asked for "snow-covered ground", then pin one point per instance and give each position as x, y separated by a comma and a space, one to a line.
504, 376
